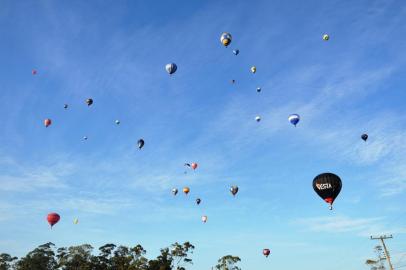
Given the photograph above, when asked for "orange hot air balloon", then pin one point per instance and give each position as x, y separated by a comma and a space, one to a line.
53, 218
186, 190
47, 122
193, 165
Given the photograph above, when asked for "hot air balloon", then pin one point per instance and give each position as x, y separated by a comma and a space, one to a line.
53, 218
253, 69
364, 137
171, 68
234, 190
85, 138
259, 89
204, 219
34, 72
225, 39
327, 186
198, 201
174, 191
186, 190
117, 122
236, 51
258, 118
232, 81
76, 221
294, 119
89, 101
65, 106
47, 122
266, 252
140, 143
193, 165
326, 37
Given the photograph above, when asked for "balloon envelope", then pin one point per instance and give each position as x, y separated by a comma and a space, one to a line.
225, 39
171, 68
47, 122
89, 101
204, 219
140, 143
198, 201
186, 190
236, 51
294, 119
258, 118
234, 190
253, 69
174, 191
326, 37
266, 252
53, 218
34, 72
327, 186
193, 165
364, 137
76, 221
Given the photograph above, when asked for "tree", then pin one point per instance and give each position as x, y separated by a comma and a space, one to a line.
41, 258
228, 263
6, 261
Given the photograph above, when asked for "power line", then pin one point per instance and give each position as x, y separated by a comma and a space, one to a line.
382, 238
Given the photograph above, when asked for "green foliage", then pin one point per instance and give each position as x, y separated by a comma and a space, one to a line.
228, 262
110, 257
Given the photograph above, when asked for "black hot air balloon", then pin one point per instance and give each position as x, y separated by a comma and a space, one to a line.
234, 190
89, 101
364, 137
327, 186
198, 201
140, 143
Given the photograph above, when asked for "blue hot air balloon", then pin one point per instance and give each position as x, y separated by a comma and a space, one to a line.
236, 51
294, 119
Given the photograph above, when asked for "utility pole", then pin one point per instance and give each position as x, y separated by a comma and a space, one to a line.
382, 237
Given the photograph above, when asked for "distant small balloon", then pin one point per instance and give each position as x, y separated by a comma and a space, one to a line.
234, 190
198, 201
253, 69
89, 101
257, 118
140, 143
53, 218
364, 137
194, 165
174, 191
117, 122
236, 51
171, 68
266, 252
204, 219
326, 37
47, 122
294, 119
85, 138
232, 81
34, 72
225, 39
186, 190
65, 106
259, 89
76, 221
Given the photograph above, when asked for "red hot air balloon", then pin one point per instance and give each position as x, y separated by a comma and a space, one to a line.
266, 252
53, 218
47, 122
193, 165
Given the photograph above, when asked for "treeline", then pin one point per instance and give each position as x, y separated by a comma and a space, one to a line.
110, 257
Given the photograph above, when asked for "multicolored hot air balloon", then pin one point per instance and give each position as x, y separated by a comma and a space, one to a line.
364, 137
326, 37
225, 39
266, 252
140, 143
89, 101
171, 68
76, 221
174, 191
53, 218
294, 119
204, 219
253, 69
327, 186
186, 190
47, 122
198, 201
236, 51
234, 190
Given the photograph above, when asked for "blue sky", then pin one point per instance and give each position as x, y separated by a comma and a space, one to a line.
116, 52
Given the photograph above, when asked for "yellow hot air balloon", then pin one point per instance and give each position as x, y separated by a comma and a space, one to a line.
326, 37
76, 221
186, 190
253, 69
225, 39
